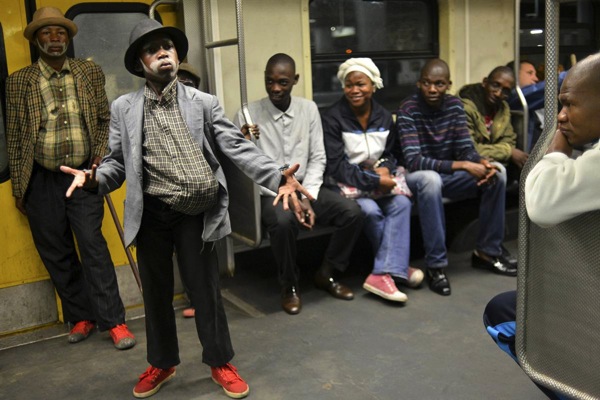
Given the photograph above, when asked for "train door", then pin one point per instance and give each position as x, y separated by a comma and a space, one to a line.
103, 36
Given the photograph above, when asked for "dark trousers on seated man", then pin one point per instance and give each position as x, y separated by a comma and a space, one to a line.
331, 209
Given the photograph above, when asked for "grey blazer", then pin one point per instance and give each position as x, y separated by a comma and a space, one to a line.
202, 113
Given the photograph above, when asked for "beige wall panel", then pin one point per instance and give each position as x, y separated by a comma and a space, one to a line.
264, 36
475, 37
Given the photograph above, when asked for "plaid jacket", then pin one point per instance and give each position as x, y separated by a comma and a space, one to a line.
24, 112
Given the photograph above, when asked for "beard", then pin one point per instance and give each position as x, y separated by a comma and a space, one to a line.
45, 48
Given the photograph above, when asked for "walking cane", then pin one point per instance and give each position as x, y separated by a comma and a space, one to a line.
132, 263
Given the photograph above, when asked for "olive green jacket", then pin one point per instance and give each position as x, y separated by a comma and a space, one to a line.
498, 143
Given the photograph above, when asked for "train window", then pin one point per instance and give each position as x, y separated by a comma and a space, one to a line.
103, 37
3, 74
399, 35
577, 33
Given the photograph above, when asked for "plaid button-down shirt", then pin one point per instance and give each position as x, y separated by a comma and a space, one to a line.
62, 138
175, 170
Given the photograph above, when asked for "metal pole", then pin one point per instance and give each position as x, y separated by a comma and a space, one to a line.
242, 60
132, 263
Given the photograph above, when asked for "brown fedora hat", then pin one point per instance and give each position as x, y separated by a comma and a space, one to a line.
47, 16
142, 31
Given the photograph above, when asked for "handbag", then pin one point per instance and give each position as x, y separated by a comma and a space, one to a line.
401, 188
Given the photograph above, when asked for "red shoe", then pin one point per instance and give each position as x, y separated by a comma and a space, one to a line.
151, 381
227, 377
81, 331
122, 337
189, 312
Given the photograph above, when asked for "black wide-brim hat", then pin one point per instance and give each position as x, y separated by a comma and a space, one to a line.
141, 31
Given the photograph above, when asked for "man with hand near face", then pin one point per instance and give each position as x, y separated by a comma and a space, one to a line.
57, 114
162, 141
559, 187
438, 151
291, 132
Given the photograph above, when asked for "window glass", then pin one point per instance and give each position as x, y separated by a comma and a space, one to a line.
342, 26
398, 35
577, 33
103, 38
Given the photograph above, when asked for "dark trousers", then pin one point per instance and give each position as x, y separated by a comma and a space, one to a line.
161, 232
90, 292
331, 209
499, 319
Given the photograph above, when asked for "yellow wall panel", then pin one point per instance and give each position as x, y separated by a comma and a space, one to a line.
19, 260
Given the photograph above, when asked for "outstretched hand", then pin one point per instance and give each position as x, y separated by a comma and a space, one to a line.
288, 190
82, 179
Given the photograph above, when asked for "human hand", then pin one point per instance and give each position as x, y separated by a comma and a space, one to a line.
309, 214
20, 204
248, 130
519, 157
82, 179
560, 144
288, 191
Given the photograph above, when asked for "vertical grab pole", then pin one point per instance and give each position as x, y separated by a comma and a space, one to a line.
525, 138
242, 60
132, 263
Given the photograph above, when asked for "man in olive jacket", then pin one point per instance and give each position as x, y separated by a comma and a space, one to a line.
488, 117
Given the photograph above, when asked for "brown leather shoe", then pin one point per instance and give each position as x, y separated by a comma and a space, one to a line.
332, 286
290, 300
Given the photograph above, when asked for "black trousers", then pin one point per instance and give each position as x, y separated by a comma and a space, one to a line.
332, 209
88, 292
163, 231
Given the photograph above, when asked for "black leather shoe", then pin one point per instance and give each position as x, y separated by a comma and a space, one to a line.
508, 258
290, 300
438, 281
333, 287
499, 265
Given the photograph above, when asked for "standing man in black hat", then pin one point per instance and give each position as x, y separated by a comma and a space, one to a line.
163, 139
57, 114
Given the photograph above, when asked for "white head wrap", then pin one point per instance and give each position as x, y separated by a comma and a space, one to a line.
364, 65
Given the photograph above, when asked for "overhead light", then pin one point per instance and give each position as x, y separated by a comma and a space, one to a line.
342, 31
536, 31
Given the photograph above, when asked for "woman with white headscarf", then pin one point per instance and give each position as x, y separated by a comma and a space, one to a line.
359, 137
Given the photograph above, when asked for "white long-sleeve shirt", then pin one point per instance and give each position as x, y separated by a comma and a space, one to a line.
290, 137
559, 188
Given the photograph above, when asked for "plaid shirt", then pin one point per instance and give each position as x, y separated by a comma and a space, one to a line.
24, 104
175, 170
62, 139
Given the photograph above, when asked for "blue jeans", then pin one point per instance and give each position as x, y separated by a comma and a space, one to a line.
387, 225
429, 187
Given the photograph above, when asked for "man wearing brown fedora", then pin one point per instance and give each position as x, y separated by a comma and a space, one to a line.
57, 114
163, 140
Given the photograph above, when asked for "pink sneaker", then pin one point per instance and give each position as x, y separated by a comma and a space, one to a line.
384, 286
227, 377
151, 381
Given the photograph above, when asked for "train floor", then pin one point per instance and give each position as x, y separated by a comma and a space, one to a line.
433, 347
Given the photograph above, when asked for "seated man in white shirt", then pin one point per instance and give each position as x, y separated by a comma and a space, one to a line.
290, 131
559, 187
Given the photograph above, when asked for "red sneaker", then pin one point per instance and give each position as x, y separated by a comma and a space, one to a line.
81, 331
151, 381
227, 377
122, 337
189, 312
